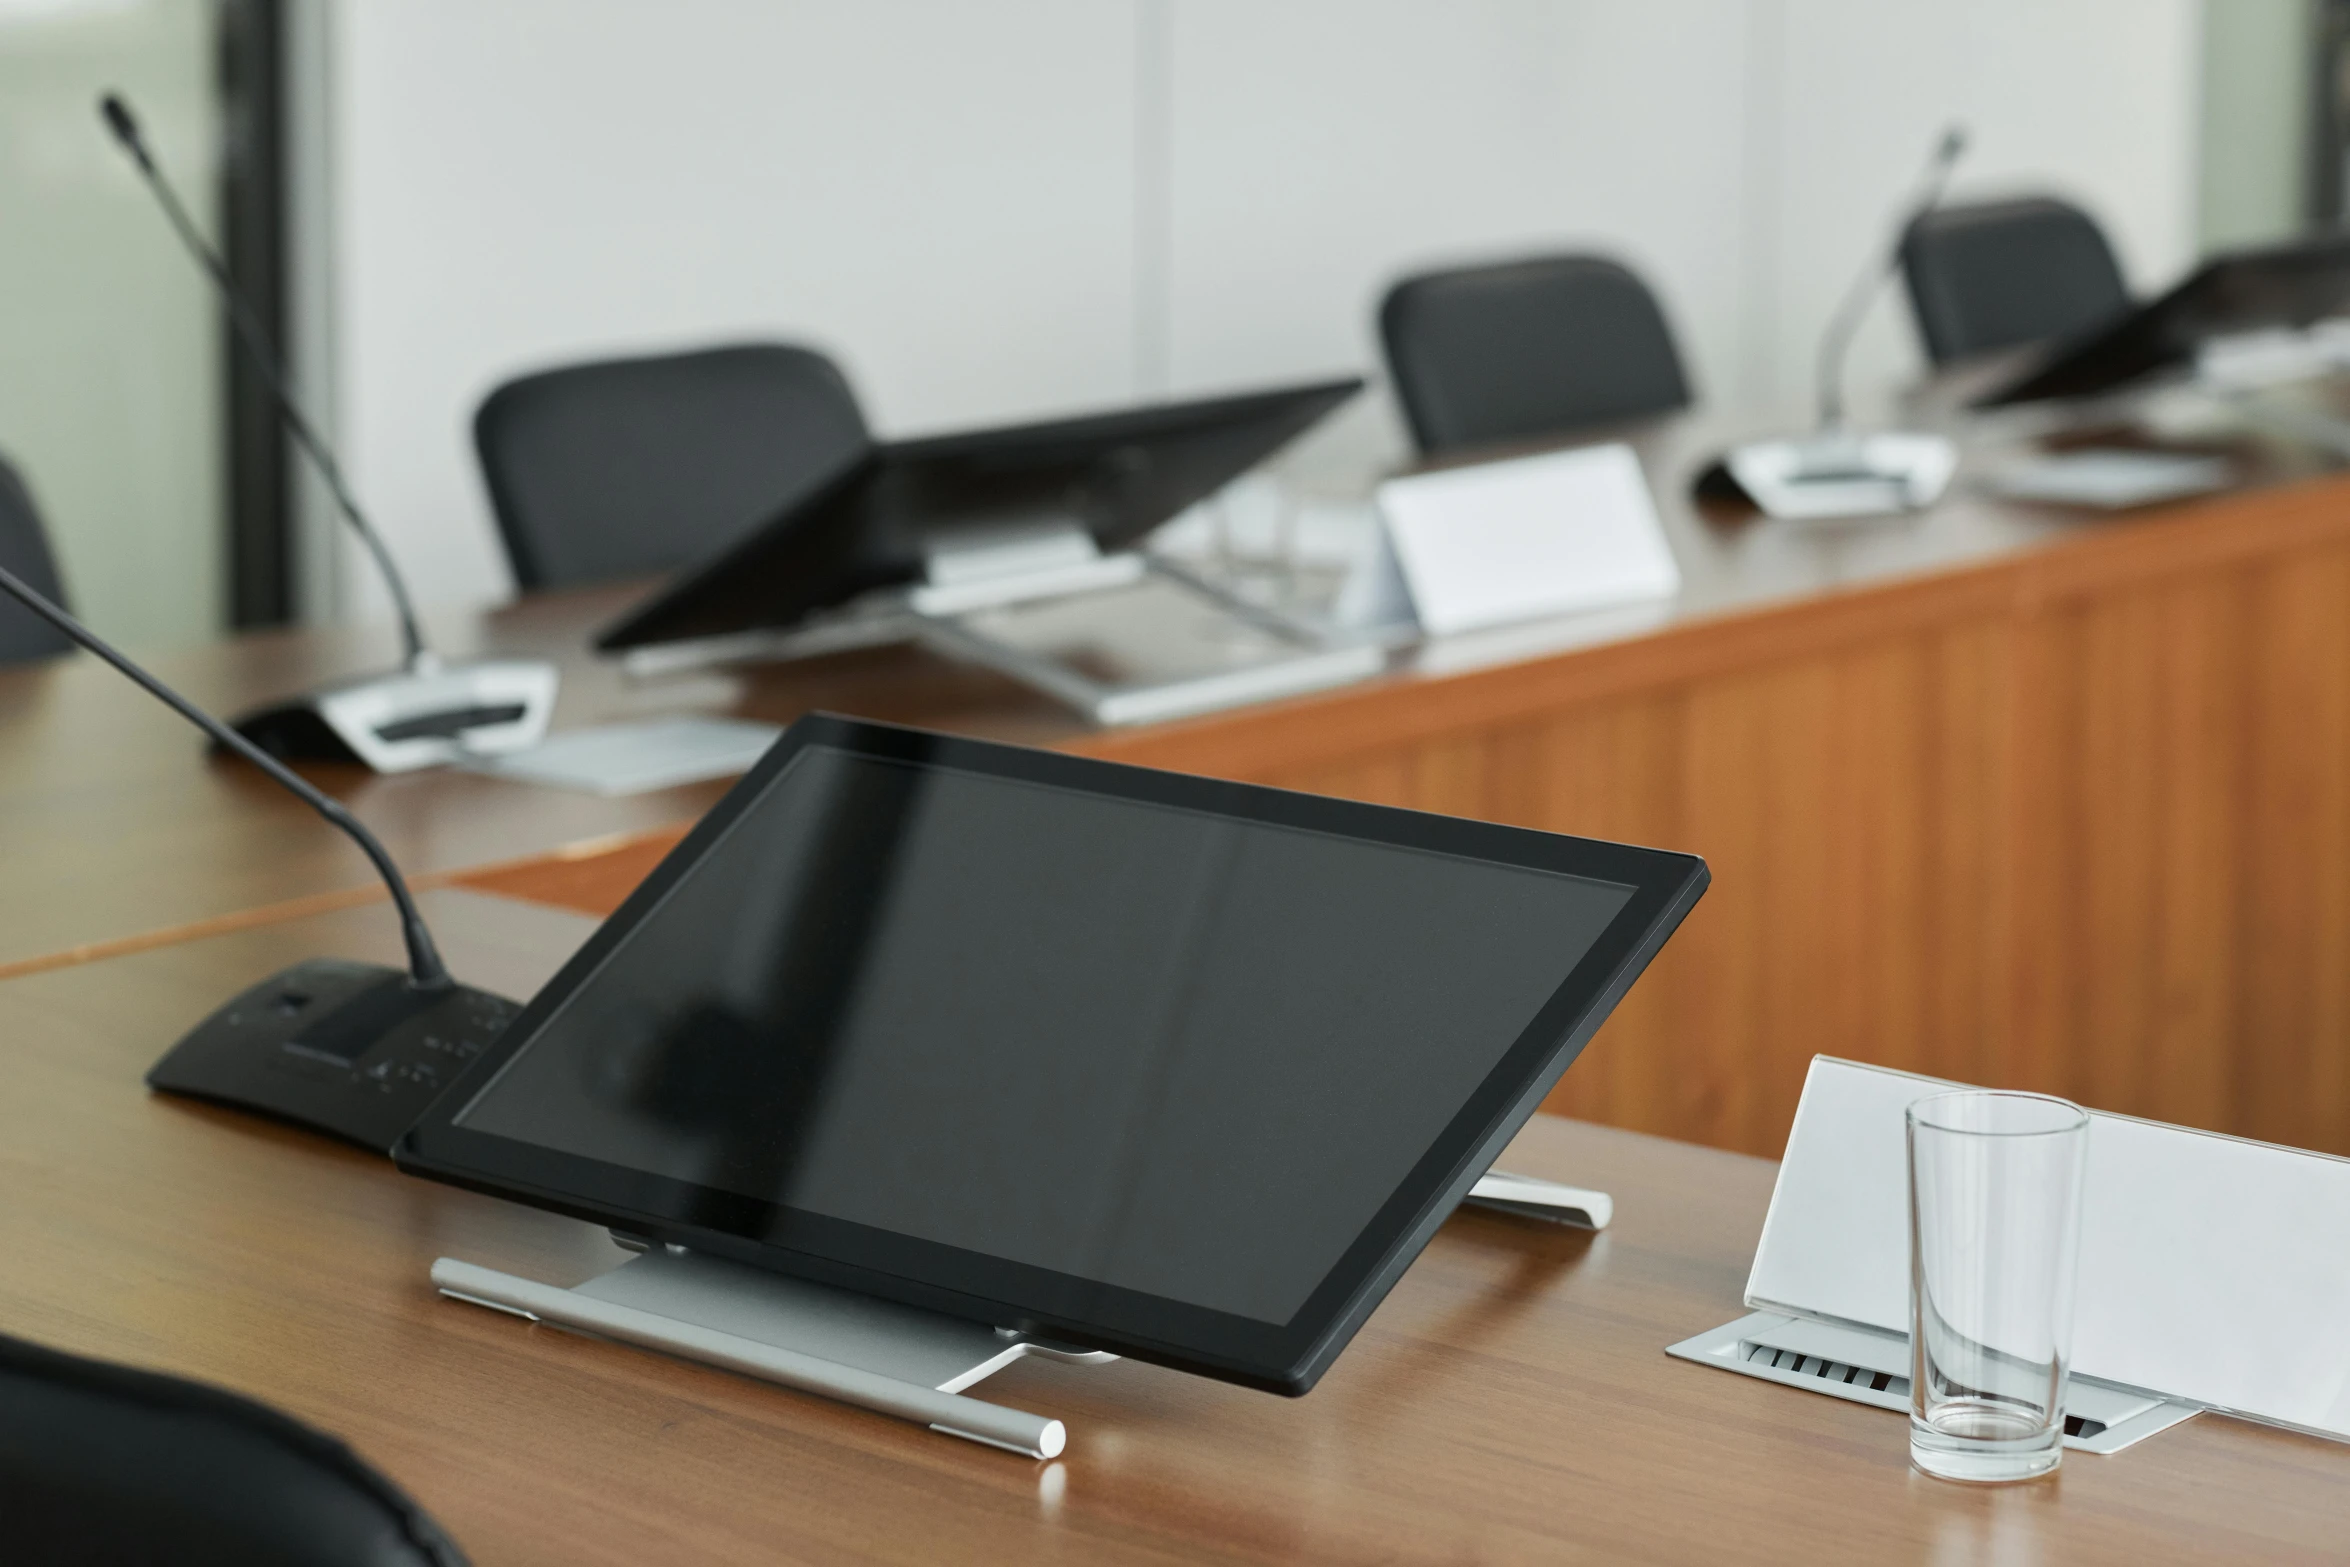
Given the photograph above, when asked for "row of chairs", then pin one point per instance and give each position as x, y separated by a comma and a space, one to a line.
631, 467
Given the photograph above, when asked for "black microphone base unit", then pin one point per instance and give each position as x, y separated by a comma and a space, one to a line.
398, 723
354, 1050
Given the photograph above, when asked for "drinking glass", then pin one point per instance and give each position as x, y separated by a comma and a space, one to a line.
1994, 1244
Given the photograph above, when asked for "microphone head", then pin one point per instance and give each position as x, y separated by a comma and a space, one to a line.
1953, 143
125, 125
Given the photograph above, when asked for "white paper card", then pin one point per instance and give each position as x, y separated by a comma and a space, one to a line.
1532, 536
2213, 1270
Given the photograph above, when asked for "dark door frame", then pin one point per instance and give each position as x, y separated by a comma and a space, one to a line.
251, 66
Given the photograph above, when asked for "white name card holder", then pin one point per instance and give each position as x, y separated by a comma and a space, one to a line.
2215, 1272
1528, 537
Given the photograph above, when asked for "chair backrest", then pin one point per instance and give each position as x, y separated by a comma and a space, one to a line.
626, 467
1527, 349
101, 1463
24, 550
2002, 274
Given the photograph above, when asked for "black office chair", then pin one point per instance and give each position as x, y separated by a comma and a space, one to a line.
1527, 349
24, 550
2002, 274
626, 467
101, 1464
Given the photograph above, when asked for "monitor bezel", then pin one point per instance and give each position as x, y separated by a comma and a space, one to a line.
1285, 1357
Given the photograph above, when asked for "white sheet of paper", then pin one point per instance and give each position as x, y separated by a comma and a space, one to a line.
2213, 1269
1531, 536
634, 758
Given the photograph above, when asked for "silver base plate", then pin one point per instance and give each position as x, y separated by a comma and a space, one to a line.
1867, 1367
912, 1345
897, 1359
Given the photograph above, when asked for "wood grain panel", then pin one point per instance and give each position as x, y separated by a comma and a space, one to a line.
2291, 1054
1847, 804
2089, 835
2184, 930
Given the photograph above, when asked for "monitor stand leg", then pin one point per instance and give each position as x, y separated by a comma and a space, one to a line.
1532, 1198
897, 1359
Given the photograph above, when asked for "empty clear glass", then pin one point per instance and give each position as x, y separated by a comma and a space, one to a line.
1994, 1243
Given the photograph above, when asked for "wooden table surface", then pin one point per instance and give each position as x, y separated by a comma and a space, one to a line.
117, 830
1511, 1400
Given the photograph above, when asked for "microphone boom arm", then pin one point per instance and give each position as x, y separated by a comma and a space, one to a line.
119, 120
425, 969
1844, 325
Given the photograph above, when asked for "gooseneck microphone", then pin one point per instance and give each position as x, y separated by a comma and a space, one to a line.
355, 1050
426, 714
125, 126
424, 960
1835, 471
1844, 325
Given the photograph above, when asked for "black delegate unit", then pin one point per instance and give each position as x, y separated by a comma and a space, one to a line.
1182, 1069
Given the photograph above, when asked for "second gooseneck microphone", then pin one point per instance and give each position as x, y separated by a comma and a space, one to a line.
1844, 325
125, 126
1836, 471
425, 714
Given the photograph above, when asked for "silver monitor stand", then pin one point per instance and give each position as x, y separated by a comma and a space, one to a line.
1123, 638
899, 1360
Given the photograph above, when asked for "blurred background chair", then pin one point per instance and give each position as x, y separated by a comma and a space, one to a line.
2002, 274
1526, 350
103, 1464
24, 550
628, 467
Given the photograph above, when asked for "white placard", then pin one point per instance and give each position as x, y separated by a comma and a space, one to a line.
2213, 1270
1532, 536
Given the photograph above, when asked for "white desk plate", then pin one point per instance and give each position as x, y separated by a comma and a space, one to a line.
2214, 1271
1504, 541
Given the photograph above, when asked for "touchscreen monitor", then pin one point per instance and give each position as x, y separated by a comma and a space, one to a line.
1116, 475
1180, 1068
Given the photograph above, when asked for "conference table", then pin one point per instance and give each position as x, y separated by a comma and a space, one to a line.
2006, 792
1510, 1401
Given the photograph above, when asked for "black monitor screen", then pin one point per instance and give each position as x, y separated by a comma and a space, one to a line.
1137, 1044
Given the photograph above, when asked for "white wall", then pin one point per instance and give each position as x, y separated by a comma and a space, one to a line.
1001, 209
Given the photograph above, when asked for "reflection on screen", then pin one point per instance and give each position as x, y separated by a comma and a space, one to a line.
1144, 1046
